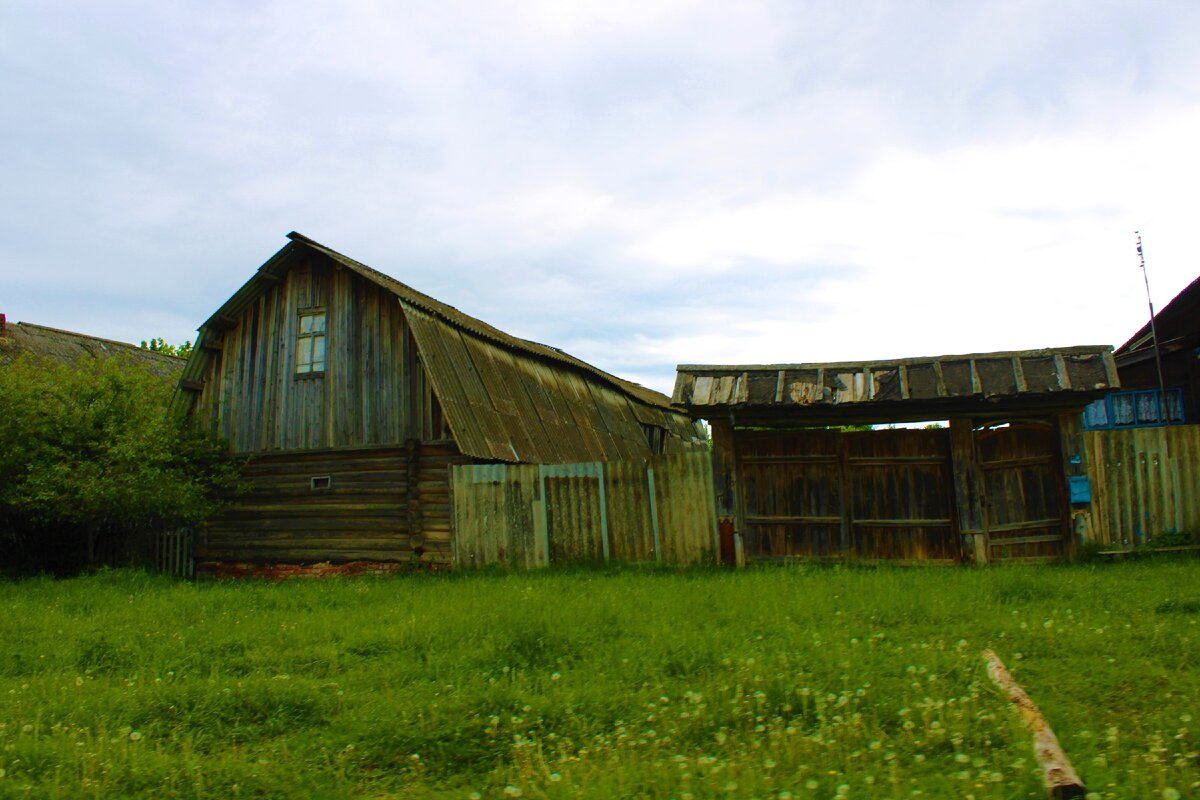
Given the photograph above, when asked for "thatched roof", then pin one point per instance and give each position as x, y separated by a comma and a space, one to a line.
68, 347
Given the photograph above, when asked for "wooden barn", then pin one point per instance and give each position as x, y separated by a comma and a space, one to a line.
351, 394
792, 482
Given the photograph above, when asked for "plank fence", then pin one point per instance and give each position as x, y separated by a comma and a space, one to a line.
174, 552
1145, 482
533, 515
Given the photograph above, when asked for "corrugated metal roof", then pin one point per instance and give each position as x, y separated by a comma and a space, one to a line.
505, 398
67, 347
1079, 371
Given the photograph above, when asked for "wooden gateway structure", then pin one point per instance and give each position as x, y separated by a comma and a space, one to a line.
351, 394
994, 485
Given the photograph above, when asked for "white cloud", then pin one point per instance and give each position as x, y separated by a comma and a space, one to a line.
642, 184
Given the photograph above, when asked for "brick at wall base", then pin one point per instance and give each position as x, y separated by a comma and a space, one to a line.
324, 569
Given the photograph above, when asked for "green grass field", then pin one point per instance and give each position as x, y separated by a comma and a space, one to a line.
782, 682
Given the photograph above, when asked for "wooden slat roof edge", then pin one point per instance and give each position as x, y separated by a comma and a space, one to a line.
258, 283
1082, 350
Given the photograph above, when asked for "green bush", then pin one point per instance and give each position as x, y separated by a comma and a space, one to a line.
91, 450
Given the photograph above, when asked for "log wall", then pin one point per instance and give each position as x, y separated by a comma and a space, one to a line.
387, 504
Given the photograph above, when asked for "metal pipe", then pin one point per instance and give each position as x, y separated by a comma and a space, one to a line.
1162, 386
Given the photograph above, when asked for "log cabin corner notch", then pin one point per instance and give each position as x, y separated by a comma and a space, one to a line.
352, 393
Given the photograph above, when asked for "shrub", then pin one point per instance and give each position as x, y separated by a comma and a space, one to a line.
90, 450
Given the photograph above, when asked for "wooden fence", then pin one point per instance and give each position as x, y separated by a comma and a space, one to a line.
530, 515
174, 552
1145, 482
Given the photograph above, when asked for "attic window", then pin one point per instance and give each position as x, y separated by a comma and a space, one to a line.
310, 343
656, 438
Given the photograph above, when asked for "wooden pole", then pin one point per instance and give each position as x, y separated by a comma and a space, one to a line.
1059, 777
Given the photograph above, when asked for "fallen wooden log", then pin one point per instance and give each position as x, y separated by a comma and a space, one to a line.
1060, 778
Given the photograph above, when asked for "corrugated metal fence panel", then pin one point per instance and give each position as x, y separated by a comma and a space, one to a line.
683, 493
576, 517
494, 515
1145, 481
630, 527
658, 509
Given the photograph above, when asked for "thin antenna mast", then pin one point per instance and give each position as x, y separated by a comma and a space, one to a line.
1162, 386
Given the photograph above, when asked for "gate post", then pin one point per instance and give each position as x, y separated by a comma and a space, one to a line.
969, 492
725, 482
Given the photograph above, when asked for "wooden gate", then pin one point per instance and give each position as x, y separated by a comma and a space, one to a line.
1023, 487
868, 496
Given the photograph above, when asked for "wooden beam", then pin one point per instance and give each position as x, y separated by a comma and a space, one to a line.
1019, 375
1110, 370
941, 379
1060, 367
903, 371
968, 489
976, 384
1058, 776
779, 385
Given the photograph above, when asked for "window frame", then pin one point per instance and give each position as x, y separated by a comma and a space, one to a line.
304, 369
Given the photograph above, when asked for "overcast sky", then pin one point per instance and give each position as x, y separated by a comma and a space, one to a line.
639, 183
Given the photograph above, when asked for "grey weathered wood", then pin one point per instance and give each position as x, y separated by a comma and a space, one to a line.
1058, 776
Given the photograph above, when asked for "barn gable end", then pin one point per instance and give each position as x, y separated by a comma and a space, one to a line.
352, 393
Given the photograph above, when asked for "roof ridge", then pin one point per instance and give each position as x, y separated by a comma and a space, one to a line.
92, 338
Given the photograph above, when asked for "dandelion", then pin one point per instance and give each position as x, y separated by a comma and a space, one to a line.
135, 736
555, 777
512, 791
812, 783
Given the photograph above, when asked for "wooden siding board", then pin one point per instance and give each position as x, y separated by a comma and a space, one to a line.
261, 405
1143, 482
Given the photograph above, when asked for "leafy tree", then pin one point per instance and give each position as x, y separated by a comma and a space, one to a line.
160, 345
91, 450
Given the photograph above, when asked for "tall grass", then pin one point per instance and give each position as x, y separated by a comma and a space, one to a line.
790, 682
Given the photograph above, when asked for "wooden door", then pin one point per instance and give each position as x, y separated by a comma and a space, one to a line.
791, 494
901, 496
827, 495
1023, 483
